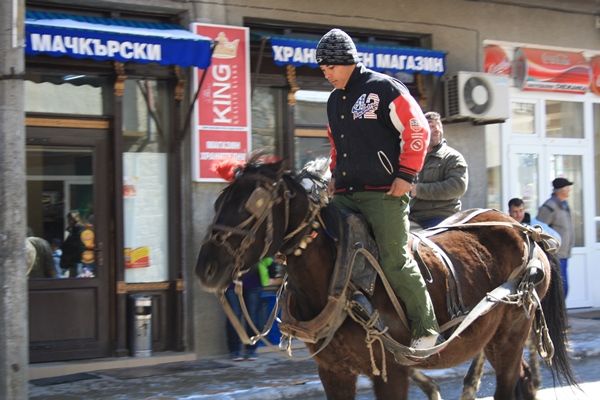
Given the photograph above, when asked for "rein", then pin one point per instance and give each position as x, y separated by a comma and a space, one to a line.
260, 205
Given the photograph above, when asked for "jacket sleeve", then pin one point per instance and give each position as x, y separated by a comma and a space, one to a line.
408, 119
332, 152
454, 183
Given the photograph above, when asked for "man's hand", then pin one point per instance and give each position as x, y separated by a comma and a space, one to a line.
400, 187
413, 191
331, 187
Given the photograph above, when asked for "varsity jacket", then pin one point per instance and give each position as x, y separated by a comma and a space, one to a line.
441, 183
377, 132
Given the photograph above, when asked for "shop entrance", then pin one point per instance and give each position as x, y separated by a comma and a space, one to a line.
67, 205
532, 169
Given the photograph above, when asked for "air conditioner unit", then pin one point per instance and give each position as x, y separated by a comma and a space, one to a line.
476, 96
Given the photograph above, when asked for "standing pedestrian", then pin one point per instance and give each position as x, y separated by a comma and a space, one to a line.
378, 137
556, 213
442, 181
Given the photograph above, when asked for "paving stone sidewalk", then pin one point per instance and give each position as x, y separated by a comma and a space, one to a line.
270, 377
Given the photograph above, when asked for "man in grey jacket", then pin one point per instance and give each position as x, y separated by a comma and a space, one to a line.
442, 181
556, 213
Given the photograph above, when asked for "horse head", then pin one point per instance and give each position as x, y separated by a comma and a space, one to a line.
256, 215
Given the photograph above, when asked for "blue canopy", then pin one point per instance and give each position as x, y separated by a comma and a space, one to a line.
101, 39
410, 60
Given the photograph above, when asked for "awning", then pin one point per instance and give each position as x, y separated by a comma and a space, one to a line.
298, 52
101, 39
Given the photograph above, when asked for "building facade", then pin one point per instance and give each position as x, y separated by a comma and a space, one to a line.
123, 142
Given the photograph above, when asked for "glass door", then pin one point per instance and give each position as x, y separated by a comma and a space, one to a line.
532, 168
68, 224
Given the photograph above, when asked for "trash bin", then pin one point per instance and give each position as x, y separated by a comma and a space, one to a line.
140, 325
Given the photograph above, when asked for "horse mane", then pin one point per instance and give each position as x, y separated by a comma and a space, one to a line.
232, 168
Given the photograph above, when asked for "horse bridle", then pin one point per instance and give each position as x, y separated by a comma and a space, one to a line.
260, 206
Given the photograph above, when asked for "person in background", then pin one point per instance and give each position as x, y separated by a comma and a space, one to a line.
516, 209
442, 181
252, 290
378, 137
556, 213
57, 255
72, 247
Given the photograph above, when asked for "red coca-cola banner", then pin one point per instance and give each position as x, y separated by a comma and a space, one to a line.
222, 110
496, 60
553, 71
595, 66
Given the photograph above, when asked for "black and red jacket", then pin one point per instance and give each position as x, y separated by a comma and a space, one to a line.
377, 132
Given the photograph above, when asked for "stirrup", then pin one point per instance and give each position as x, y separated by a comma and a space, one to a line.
364, 310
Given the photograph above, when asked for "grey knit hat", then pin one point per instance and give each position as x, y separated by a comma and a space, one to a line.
336, 48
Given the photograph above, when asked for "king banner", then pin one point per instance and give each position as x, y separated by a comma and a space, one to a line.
221, 127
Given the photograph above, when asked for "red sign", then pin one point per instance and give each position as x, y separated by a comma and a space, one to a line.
222, 109
552, 71
595, 66
496, 60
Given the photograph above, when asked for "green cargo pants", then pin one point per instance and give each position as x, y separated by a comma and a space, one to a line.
387, 217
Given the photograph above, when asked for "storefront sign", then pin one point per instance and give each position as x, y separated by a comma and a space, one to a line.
101, 39
222, 111
298, 52
496, 60
552, 71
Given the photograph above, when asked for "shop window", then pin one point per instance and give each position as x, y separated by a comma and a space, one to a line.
64, 94
267, 126
145, 129
564, 119
310, 126
527, 177
523, 117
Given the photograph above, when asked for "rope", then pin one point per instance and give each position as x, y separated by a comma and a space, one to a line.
372, 335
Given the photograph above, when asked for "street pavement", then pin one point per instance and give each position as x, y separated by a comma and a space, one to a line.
272, 376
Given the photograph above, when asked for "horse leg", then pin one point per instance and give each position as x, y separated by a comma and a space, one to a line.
426, 384
396, 387
513, 376
526, 389
472, 379
338, 385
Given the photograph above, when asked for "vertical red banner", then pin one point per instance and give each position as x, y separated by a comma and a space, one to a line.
221, 125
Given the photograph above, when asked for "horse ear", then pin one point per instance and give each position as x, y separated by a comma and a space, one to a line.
281, 165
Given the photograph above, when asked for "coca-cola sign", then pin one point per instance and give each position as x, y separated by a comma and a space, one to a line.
551, 71
496, 60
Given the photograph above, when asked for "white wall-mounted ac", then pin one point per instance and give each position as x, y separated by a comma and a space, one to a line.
476, 96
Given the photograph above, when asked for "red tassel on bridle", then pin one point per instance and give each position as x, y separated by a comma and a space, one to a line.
228, 168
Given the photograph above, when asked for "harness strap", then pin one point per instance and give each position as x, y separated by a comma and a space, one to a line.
453, 282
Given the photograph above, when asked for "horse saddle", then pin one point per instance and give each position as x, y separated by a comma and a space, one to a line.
354, 234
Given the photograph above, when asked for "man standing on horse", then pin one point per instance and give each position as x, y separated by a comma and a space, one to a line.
379, 138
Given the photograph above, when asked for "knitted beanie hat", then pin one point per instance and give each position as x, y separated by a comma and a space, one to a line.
336, 48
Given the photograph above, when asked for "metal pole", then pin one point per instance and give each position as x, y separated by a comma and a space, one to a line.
14, 339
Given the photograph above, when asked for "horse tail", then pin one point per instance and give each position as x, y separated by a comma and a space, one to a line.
555, 312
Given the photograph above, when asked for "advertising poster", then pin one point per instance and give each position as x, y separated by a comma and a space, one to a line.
552, 71
221, 124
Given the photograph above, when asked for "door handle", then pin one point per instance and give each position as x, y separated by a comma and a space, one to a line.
99, 254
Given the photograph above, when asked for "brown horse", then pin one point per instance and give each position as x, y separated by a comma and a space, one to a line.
265, 210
